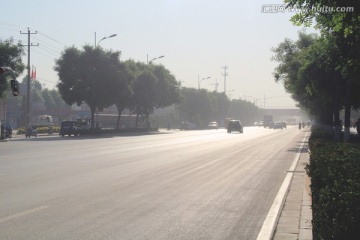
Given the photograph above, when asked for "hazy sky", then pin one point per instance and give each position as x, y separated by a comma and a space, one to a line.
197, 38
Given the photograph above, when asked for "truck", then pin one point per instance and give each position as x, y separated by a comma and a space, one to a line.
268, 120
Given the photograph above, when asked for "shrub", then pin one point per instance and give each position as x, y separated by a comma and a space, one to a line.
335, 182
40, 130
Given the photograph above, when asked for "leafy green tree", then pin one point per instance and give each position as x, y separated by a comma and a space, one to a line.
245, 111
344, 26
145, 95
195, 106
89, 76
167, 87
220, 106
309, 70
10, 56
124, 94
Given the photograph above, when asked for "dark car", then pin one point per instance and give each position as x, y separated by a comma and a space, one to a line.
278, 125
187, 126
69, 128
235, 125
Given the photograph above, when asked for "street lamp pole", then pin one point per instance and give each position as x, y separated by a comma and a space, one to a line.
149, 62
199, 80
97, 43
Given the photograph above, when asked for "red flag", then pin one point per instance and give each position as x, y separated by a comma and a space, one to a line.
35, 74
32, 74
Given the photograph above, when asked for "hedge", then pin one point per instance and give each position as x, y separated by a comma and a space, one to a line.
335, 183
40, 130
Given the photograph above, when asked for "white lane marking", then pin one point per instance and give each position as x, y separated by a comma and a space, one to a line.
27, 212
268, 228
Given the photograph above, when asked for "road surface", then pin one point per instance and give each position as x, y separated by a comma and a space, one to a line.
171, 185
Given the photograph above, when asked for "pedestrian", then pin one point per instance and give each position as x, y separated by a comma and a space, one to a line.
358, 126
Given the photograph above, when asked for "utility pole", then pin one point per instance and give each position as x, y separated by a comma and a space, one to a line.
225, 75
264, 100
216, 85
28, 75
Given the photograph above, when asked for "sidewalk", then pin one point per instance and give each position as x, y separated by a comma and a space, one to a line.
295, 221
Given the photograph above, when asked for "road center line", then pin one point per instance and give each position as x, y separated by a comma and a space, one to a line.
27, 212
268, 228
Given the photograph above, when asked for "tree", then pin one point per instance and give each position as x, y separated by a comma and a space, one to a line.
10, 56
167, 87
344, 26
89, 76
145, 94
220, 106
309, 71
195, 106
124, 90
245, 111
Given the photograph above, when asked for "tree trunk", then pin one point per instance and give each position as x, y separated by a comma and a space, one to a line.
326, 120
136, 120
92, 109
336, 111
147, 121
119, 116
347, 112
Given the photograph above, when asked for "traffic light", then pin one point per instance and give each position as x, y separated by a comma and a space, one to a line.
13, 83
2, 70
15, 87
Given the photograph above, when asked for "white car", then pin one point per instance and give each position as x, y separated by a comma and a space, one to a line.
213, 125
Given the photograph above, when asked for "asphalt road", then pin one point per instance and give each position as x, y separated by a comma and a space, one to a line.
170, 185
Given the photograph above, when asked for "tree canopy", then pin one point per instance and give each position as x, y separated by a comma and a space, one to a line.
324, 76
98, 78
10, 56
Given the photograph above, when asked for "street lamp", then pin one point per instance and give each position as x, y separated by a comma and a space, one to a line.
97, 44
199, 80
149, 62
112, 35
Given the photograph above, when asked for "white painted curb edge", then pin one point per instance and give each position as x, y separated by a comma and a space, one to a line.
268, 228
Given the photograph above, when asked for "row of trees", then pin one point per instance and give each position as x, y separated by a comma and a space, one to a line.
201, 107
322, 72
99, 79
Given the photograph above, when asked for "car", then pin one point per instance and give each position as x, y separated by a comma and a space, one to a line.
187, 126
69, 128
235, 125
278, 125
213, 125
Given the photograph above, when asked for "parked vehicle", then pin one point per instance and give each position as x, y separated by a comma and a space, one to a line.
213, 125
69, 128
235, 125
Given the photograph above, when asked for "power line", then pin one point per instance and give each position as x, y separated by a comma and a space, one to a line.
63, 44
